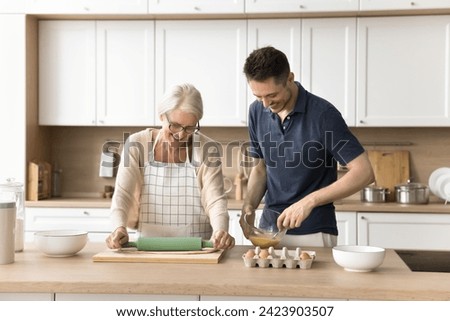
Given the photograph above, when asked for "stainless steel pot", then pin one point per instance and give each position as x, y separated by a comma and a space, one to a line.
412, 193
374, 194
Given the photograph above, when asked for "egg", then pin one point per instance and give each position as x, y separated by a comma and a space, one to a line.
250, 254
264, 254
305, 256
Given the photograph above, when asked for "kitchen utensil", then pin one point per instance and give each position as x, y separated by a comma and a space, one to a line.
169, 244
183, 257
358, 258
7, 225
12, 191
412, 193
391, 168
374, 194
60, 243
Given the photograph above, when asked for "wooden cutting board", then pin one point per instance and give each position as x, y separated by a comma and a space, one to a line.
134, 256
391, 168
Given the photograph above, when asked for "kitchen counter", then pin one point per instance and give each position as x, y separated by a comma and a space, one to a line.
34, 272
349, 205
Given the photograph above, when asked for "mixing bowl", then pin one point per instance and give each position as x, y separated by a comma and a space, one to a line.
60, 243
358, 258
267, 234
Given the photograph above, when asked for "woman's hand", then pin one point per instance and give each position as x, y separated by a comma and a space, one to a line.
222, 240
117, 238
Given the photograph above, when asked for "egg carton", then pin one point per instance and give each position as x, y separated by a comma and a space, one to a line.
283, 258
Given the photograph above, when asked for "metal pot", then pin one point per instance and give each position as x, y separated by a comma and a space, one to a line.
412, 193
374, 194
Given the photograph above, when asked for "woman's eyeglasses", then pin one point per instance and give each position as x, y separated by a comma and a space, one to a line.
177, 128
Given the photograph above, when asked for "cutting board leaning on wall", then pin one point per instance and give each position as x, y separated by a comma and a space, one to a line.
391, 168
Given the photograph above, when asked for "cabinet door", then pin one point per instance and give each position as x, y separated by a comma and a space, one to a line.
403, 71
93, 220
404, 231
347, 227
269, 6
329, 62
403, 4
67, 73
125, 73
196, 6
86, 6
210, 55
283, 34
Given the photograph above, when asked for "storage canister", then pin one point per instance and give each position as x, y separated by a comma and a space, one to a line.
12, 192
7, 226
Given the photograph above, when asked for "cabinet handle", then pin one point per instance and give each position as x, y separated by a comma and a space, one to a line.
86, 213
86, 8
362, 121
363, 217
301, 6
413, 3
197, 9
101, 121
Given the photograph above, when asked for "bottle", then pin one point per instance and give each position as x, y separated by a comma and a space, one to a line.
56, 182
7, 225
12, 192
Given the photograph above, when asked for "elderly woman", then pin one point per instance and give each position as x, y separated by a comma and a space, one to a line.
169, 181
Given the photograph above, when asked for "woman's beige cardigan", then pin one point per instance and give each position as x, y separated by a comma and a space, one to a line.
206, 159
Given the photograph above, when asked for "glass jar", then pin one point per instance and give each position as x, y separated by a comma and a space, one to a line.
11, 191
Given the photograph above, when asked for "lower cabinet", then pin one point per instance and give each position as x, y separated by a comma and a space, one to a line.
347, 228
16, 296
123, 297
404, 230
96, 221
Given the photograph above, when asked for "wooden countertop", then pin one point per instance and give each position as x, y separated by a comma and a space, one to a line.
34, 272
435, 206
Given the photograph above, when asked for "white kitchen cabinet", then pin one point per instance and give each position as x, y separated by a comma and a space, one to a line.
96, 221
404, 230
403, 4
196, 6
123, 297
347, 228
13, 96
283, 34
329, 62
210, 55
403, 71
96, 73
23, 296
125, 73
67, 89
274, 6
86, 6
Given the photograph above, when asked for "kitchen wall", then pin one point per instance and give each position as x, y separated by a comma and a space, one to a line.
77, 151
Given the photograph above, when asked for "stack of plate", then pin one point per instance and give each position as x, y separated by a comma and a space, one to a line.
439, 183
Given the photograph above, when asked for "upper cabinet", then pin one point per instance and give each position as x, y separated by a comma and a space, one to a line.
268, 6
329, 62
196, 6
403, 4
209, 54
96, 73
86, 6
403, 71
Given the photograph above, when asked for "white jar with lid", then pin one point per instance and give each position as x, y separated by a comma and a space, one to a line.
12, 192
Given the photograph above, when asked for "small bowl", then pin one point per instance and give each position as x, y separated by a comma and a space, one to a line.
60, 243
266, 235
358, 258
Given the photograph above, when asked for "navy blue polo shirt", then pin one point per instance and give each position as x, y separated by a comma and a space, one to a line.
301, 155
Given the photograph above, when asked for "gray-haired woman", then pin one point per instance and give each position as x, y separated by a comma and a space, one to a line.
170, 181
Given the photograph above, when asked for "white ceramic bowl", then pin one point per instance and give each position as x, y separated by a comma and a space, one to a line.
358, 258
60, 243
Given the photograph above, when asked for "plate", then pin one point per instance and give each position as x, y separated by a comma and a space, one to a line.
432, 181
444, 187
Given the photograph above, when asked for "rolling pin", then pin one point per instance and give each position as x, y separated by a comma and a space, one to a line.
170, 244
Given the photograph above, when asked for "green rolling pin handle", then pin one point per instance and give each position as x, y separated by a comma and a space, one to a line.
207, 244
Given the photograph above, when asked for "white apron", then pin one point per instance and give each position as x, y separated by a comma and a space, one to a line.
170, 200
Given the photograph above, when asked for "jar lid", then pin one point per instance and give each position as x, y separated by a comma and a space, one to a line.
7, 205
11, 184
